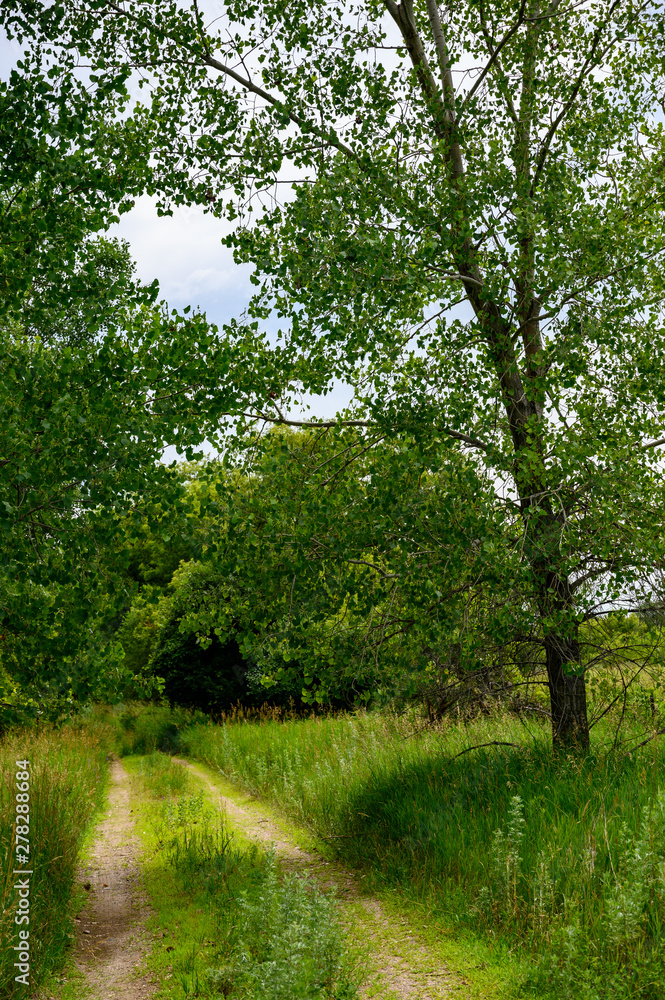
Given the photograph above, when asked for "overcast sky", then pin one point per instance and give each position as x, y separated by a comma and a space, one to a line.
184, 252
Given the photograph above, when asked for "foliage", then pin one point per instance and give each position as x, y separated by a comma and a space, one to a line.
192, 671
82, 432
95, 379
350, 577
72, 162
67, 781
349, 570
428, 171
479, 267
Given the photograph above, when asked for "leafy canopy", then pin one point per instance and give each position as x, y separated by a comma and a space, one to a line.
456, 210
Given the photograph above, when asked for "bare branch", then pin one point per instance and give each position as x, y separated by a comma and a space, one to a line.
659, 732
652, 444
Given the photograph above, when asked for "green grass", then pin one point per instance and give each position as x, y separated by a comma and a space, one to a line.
228, 921
559, 857
138, 728
67, 782
162, 777
471, 967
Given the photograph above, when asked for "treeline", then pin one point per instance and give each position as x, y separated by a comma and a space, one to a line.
315, 568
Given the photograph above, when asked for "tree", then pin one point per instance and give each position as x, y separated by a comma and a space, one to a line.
81, 436
95, 378
350, 568
473, 238
70, 167
91, 393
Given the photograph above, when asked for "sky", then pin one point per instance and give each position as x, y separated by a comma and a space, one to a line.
185, 253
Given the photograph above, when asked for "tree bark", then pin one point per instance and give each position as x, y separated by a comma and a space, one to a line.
570, 725
521, 379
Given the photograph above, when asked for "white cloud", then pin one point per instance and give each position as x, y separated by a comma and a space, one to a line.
184, 252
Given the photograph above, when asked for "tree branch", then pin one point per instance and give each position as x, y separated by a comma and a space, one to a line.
547, 141
303, 423
659, 732
363, 562
444, 62
494, 57
302, 123
472, 442
208, 60
402, 15
652, 444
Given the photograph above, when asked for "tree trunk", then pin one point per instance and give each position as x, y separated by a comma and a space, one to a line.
570, 725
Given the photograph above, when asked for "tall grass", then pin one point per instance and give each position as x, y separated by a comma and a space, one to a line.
67, 780
265, 935
164, 778
563, 857
136, 728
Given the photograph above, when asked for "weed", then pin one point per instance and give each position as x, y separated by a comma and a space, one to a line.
506, 858
279, 937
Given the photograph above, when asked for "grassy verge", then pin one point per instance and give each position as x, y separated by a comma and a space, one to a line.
562, 858
228, 922
400, 933
66, 778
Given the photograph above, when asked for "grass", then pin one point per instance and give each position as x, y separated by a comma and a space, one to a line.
67, 782
137, 728
469, 966
561, 858
228, 922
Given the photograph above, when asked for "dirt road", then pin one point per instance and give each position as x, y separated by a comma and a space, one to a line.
112, 942
399, 966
